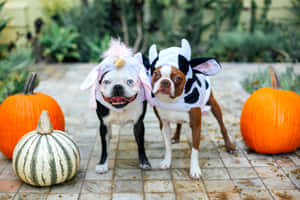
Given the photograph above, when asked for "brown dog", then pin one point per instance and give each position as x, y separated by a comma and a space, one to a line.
181, 92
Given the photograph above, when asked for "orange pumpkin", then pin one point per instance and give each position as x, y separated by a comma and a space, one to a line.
270, 119
19, 115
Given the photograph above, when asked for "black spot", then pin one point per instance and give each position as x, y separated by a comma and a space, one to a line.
146, 62
183, 64
193, 97
152, 66
188, 85
102, 111
152, 94
206, 85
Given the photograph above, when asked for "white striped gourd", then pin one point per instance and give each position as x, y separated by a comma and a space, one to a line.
45, 156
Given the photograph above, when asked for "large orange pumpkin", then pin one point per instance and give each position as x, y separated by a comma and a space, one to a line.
270, 120
19, 115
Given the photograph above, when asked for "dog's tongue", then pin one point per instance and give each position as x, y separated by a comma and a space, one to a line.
118, 99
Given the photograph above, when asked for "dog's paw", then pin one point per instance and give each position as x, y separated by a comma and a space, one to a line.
145, 166
230, 148
195, 172
175, 140
101, 168
165, 164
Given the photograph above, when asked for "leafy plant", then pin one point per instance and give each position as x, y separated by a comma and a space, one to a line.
59, 42
289, 80
3, 23
97, 48
248, 47
13, 71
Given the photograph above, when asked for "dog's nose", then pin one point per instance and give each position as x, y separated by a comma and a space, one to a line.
118, 90
165, 83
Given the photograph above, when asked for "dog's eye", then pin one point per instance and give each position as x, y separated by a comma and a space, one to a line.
177, 79
106, 82
130, 82
156, 74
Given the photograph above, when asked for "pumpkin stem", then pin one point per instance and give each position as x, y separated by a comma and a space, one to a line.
29, 84
44, 124
275, 82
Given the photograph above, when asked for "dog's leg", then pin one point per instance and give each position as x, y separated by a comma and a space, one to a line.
195, 123
176, 137
216, 110
105, 134
158, 117
166, 132
139, 132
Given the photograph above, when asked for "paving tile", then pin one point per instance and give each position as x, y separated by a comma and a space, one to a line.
189, 187
263, 162
7, 195
192, 196
157, 174
180, 174
72, 186
128, 174
249, 184
181, 146
215, 174
181, 153
158, 186
278, 183
96, 186
10, 185
209, 154
127, 164
236, 162
127, 154
8, 174
33, 189
180, 163
159, 196
62, 196
295, 159
127, 146
257, 195
268, 172
210, 162
242, 173
286, 194
284, 161
127, 196
219, 186
95, 196
224, 196
30, 196
92, 175
294, 174
128, 186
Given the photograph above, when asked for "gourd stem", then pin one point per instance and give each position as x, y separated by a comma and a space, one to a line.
275, 82
44, 124
29, 84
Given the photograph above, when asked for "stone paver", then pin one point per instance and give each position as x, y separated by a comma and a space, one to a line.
244, 175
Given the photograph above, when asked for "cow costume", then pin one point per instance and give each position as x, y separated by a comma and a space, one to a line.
197, 87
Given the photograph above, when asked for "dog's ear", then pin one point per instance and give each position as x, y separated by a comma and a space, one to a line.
153, 55
206, 66
91, 78
184, 56
185, 49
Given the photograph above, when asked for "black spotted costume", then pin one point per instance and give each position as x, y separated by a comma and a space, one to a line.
197, 87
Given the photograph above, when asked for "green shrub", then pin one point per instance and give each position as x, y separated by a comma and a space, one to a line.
289, 80
249, 47
97, 47
93, 23
14, 71
59, 43
3, 24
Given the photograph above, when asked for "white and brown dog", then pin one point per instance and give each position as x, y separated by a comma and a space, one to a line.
181, 92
